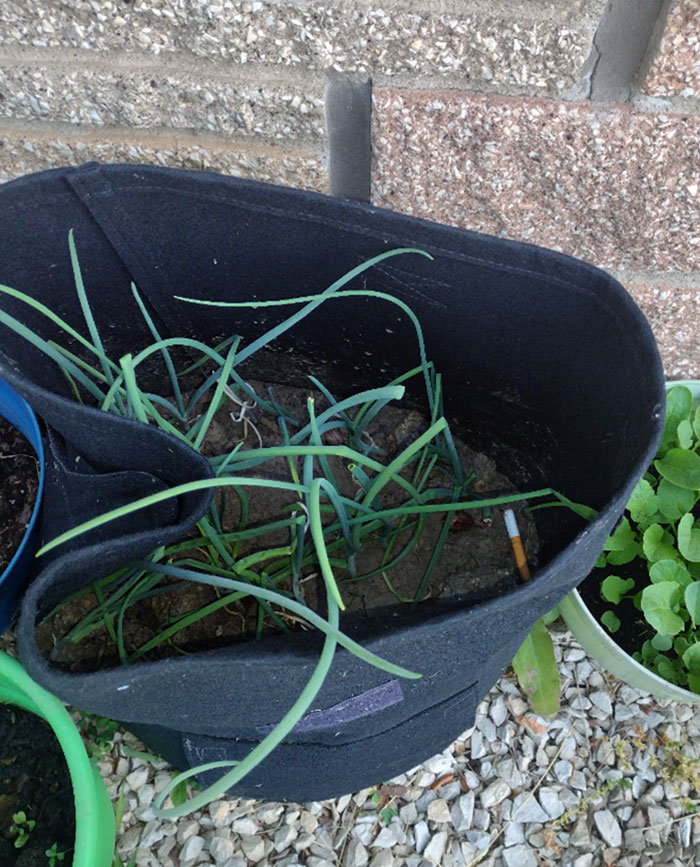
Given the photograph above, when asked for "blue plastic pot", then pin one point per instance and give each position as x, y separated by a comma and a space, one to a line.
18, 412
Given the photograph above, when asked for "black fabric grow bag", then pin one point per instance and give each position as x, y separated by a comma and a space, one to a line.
547, 364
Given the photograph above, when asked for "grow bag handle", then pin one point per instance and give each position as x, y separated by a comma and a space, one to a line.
95, 459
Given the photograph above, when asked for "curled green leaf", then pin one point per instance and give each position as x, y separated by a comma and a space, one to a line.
642, 502
682, 467
689, 538
692, 601
658, 544
673, 501
669, 570
662, 642
610, 621
660, 602
614, 588
685, 434
536, 669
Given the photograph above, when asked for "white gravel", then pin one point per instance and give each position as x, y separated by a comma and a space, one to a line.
591, 787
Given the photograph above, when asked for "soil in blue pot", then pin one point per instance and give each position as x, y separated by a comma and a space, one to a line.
18, 488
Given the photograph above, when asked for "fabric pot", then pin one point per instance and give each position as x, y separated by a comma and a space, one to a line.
547, 365
94, 819
601, 645
18, 412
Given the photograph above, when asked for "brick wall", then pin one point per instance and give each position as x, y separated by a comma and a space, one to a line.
569, 123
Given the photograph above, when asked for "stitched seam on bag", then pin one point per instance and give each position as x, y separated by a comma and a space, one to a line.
355, 230
449, 703
384, 236
114, 234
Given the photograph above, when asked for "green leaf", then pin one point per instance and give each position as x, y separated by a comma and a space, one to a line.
610, 621
679, 403
658, 544
673, 501
662, 642
685, 434
550, 616
660, 603
536, 669
626, 555
642, 502
680, 645
666, 669
622, 538
178, 794
649, 652
692, 601
669, 570
614, 588
694, 682
696, 422
689, 538
691, 658
682, 467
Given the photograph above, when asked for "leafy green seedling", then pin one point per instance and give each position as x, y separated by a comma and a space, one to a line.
611, 621
21, 828
55, 855
98, 732
614, 588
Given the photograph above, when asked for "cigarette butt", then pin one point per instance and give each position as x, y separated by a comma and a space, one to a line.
517, 543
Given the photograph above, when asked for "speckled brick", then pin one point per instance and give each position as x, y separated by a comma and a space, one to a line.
26, 151
535, 46
615, 186
157, 97
674, 315
676, 68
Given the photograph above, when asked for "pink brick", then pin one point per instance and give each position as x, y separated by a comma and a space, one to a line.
612, 185
676, 68
674, 315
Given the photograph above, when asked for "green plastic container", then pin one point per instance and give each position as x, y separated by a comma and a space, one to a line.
599, 644
94, 818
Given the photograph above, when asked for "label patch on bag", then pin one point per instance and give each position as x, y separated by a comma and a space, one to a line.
365, 704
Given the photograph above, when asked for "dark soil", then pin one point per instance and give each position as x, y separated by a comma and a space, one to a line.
476, 562
18, 484
634, 630
34, 779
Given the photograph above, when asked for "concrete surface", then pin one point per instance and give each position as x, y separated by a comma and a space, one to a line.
529, 46
24, 150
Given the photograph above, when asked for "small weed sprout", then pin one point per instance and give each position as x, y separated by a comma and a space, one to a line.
55, 855
98, 732
21, 828
384, 810
598, 793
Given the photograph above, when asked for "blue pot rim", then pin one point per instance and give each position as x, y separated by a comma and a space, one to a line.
18, 412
